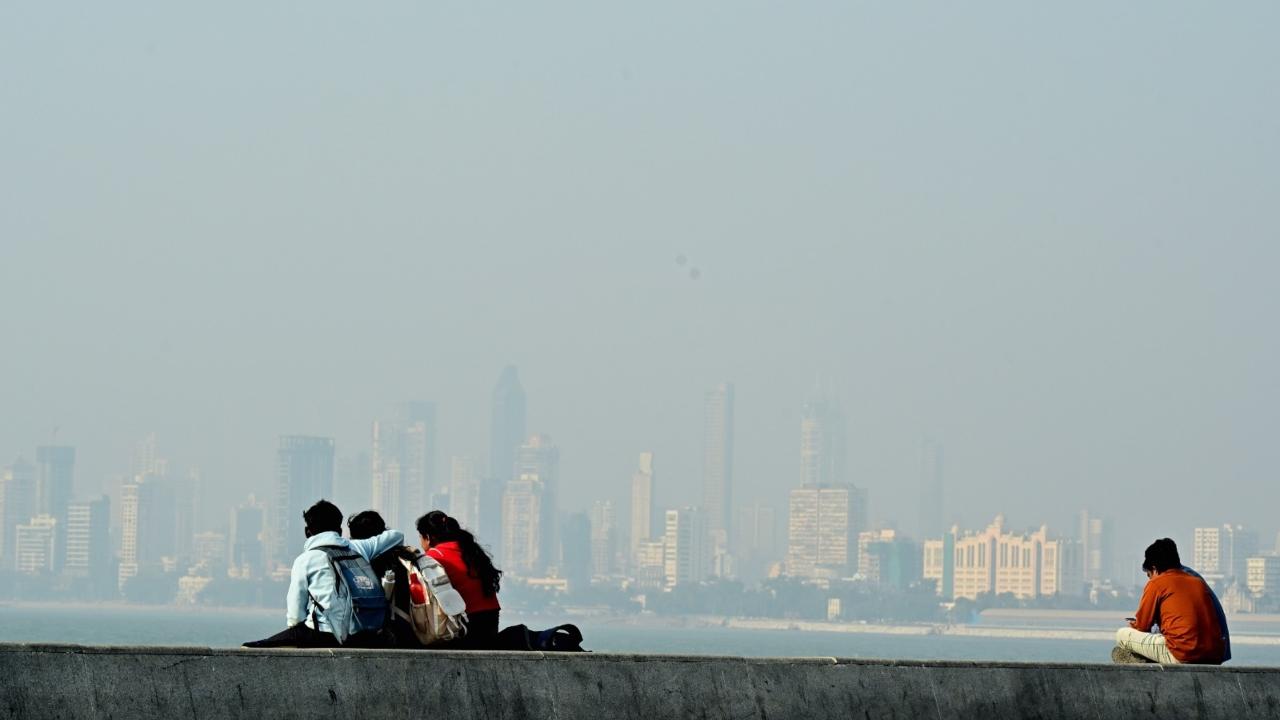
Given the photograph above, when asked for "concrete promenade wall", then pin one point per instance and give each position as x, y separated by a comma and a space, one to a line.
67, 681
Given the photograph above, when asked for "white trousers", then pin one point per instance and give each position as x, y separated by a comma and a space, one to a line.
1148, 645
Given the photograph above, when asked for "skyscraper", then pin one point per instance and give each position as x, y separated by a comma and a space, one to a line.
1095, 548
304, 474
537, 465
931, 491
822, 438
579, 548
247, 547
757, 541
717, 467
464, 492
506, 433
1220, 553
644, 518
353, 481
148, 512
88, 536
686, 551
403, 463
17, 506
55, 473
522, 527
822, 530
604, 538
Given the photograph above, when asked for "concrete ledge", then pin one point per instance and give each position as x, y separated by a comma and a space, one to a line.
72, 681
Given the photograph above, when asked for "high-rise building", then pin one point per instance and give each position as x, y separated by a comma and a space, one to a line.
757, 542
822, 530
521, 527
304, 475
1095, 546
1220, 553
464, 492
577, 552
822, 441
37, 545
17, 506
644, 516
148, 512
1026, 565
686, 550
147, 460
931, 491
88, 536
717, 467
650, 564
539, 459
247, 534
506, 433
55, 473
402, 464
353, 481
604, 538
209, 551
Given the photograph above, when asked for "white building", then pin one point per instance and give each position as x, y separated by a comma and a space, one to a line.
686, 551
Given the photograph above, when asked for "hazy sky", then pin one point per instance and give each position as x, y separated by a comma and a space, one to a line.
1046, 237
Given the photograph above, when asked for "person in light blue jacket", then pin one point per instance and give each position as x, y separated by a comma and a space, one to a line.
314, 600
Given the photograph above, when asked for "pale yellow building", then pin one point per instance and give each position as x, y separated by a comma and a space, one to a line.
996, 561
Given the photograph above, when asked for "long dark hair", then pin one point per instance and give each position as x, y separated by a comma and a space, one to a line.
439, 527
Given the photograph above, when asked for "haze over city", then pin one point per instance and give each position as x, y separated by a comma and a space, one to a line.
1039, 238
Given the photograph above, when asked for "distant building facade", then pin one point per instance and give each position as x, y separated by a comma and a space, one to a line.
717, 468
997, 561
464, 493
1220, 553
403, 463
822, 530
17, 506
644, 517
88, 536
304, 475
686, 548
37, 545
506, 433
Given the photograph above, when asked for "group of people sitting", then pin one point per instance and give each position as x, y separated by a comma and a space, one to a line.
338, 584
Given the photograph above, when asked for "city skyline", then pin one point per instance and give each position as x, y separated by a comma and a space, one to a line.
820, 455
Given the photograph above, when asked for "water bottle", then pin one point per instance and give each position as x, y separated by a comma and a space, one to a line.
417, 592
388, 583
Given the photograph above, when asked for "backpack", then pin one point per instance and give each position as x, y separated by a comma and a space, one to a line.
359, 603
437, 613
561, 638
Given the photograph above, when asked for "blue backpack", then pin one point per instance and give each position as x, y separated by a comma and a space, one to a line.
359, 604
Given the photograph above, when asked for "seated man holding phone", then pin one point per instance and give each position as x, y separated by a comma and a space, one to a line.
1192, 626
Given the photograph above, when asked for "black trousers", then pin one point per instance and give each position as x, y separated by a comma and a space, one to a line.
482, 632
297, 636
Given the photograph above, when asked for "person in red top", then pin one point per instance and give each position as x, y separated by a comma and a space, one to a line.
470, 571
1184, 607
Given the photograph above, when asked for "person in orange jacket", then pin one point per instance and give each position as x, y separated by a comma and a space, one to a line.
1177, 601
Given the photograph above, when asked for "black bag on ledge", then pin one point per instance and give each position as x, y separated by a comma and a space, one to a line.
561, 638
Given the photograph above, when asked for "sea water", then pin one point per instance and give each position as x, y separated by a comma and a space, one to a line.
224, 628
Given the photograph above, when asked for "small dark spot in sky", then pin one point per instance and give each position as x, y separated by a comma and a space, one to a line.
694, 273
681, 260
